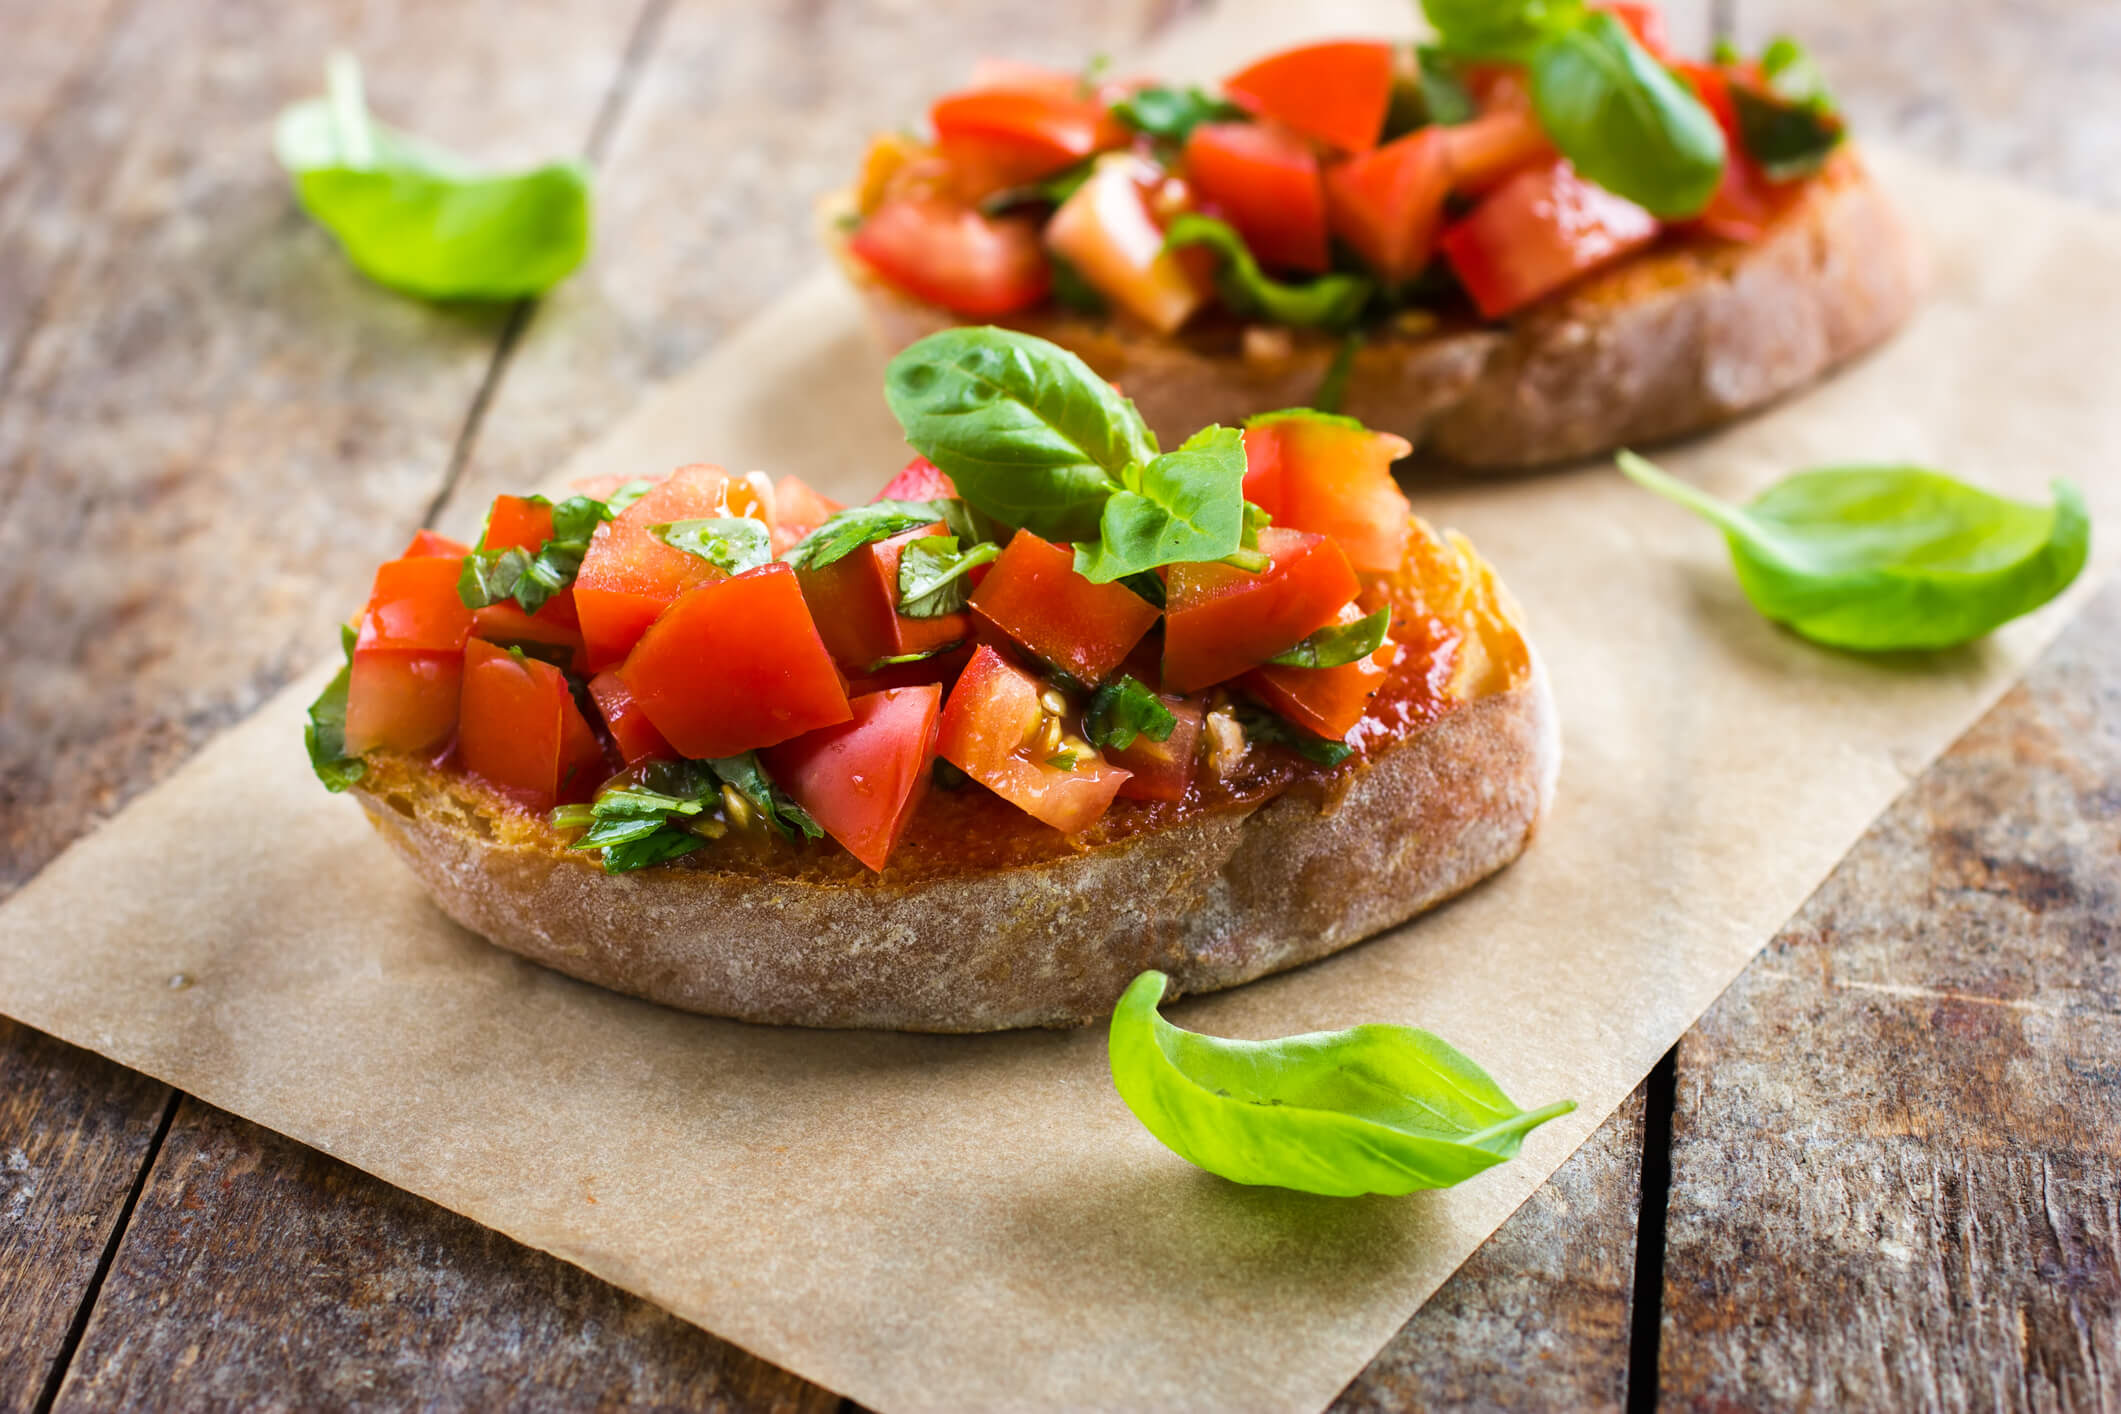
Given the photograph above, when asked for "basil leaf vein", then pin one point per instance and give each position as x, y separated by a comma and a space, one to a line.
1185, 506
1327, 302
1338, 644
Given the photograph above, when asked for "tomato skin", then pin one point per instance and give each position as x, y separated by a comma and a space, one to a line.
1333, 477
1005, 136
1164, 770
854, 602
735, 664
1336, 92
864, 779
521, 729
1033, 594
1219, 621
1265, 181
426, 543
413, 607
629, 576
983, 731
1480, 154
952, 256
1106, 231
517, 522
1326, 702
1388, 204
398, 701
505, 624
631, 731
922, 480
1539, 231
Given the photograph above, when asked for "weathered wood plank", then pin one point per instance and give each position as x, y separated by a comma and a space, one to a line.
1538, 1318
260, 1274
74, 1132
1896, 1169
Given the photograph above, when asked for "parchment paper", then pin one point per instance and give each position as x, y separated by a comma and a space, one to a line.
924, 1222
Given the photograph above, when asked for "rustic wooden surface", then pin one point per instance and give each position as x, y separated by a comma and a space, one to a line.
1892, 1147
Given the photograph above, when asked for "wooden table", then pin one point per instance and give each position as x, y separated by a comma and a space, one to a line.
1881, 1170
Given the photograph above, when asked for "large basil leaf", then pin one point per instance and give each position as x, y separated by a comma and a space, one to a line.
1184, 506
1327, 302
324, 732
1623, 120
1027, 432
1883, 558
424, 221
1373, 1109
1497, 28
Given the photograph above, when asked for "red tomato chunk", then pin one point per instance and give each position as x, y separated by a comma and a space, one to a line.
862, 780
922, 480
1220, 621
1327, 702
1331, 476
427, 543
401, 701
952, 256
1539, 231
1164, 770
1336, 92
854, 601
990, 730
414, 607
735, 664
521, 729
631, 731
1388, 204
1033, 594
629, 576
1265, 182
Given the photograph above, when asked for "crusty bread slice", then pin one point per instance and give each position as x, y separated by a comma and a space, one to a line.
1677, 339
1219, 898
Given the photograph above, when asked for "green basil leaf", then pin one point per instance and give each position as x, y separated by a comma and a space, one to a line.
1623, 120
1062, 760
749, 779
844, 532
1327, 302
658, 846
1124, 709
931, 575
1333, 388
549, 571
490, 576
732, 544
575, 519
1792, 74
899, 659
424, 221
1787, 139
1171, 114
1373, 1109
1338, 644
1265, 728
1184, 506
616, 503
1888, 558
1445, 99
1029, 435
1150, 588
1497, 28
324, 732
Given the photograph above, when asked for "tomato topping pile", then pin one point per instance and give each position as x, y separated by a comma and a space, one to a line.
1439, 186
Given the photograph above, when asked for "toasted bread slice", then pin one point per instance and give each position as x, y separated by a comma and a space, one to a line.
1048, 933
1688, 334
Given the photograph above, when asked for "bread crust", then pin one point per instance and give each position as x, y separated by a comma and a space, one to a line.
1223, 897
1680, 338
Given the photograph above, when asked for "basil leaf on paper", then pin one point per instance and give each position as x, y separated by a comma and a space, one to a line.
324, 733
1336, 645
1623, 120
1324, 302
1889, 558
732, 544
1184, 506
424, 221
1373, 1109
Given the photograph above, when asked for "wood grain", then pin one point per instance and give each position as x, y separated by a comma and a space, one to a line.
1896, 1168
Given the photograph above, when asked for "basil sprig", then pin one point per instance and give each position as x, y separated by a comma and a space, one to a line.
1336, 645
424, 221
1373, 1109
1887, 558
1034, 439
324, 733
1124, 709
1620, 117
732, 544
932, 575
490, 576
1265, 728
1171, 114
1328, 302
643, 816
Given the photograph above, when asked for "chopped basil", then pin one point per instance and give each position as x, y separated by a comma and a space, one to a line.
931, 575
1148, 586
1327, 302
617, 502
732, 544
1787, 140
923, 656
325, 731
1336, 645
490, 576
843, 532
641, 816
1263, 727
1171, 114
1050, 191
749, 779
1124, 709
1062, 761
1445, 99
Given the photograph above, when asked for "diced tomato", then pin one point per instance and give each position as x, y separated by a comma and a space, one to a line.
1388, 204
950, 255
1034, 595
1327, 702
629, 576
1331, 476
414, 607
1265, 181
517, 522
854, 601
427, 543
1746, 203
800, 507
631, 731
864, 779
506, 625
1219, 621
1164, 770
1645, 22
1105, 230
522, 730
1536, 233
996, 138
735, 664
990, 730
1482, 153
1336, 92
922, 480
401, 701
